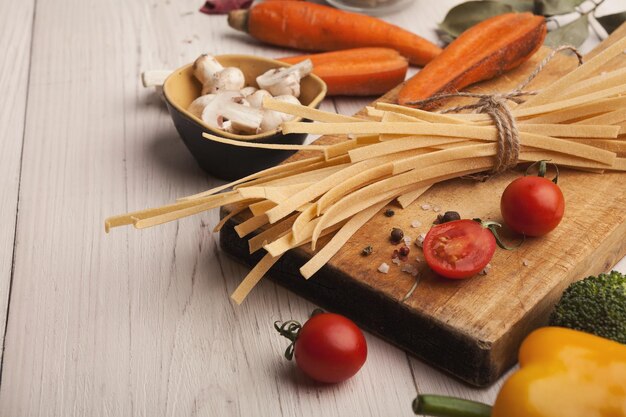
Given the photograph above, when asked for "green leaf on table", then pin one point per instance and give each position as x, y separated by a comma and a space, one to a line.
611, 22
521, 5
554, 7
573, 33
466, 15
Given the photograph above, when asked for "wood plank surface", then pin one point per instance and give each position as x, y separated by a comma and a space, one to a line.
487, 317
16, 22
140, 324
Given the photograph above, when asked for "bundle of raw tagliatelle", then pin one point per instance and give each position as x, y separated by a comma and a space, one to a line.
579, 122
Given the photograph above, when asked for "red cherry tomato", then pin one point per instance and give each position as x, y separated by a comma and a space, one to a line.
329, 348
459, 249
532, 205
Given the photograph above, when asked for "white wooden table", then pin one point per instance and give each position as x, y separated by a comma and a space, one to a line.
140, 323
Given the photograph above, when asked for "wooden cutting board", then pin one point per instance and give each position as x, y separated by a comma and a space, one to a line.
470, 328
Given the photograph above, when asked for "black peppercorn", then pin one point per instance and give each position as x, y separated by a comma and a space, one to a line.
396, 235
389, 213
404, 251
448, 216
367, 251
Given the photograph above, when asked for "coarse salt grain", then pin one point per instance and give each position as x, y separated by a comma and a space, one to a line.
418, 260
407, 240
396, 261
410, 269
436, 209
486, 269
384, 268
415, 224
419, 242
426, 206
525, 262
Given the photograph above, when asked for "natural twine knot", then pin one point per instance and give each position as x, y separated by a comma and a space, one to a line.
496, 106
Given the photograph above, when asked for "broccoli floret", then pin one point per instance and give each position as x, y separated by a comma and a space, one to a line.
594, 305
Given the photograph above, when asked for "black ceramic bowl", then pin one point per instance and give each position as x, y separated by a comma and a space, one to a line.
230, 162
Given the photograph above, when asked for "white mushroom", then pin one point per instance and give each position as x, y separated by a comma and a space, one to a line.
289, 85
211, 112
285, 81
273, 119
225, 103
244, 119
197, 106
205, 67
288, 99
241, 100
248, 91
228, 79
256, 99
226, 114
227, 126
214, 77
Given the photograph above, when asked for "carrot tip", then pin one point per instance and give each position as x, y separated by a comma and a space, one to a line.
238, 19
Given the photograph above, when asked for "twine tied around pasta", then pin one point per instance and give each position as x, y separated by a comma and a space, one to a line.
496, 106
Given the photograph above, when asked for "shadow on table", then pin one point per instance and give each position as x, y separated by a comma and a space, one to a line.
169, 151
291, 375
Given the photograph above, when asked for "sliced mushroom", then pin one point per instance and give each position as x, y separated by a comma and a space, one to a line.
256, 99
197, 106
211, 112
227, 126
248, 91
244, 119
285, 81
273, 119
287, 99
223, 113
241, 100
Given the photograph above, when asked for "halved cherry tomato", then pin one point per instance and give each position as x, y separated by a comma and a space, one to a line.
532, 206
459, 249
328, 347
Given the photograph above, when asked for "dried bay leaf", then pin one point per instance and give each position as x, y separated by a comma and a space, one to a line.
573, 33
521, 5
466, 15
554, 7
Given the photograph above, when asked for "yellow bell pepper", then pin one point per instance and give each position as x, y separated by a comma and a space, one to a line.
563, 373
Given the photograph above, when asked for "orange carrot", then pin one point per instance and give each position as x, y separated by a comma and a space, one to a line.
314, 27
482, 52
357, 72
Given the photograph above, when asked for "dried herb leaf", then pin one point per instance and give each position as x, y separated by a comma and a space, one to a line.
611, 22
466, 15
554, 7
521, 5
573, 33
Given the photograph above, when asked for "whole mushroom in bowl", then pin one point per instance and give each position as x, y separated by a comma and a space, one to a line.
228, 104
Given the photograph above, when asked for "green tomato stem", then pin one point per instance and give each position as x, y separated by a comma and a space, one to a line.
442, 406
542, 167
289, 329
493, 228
